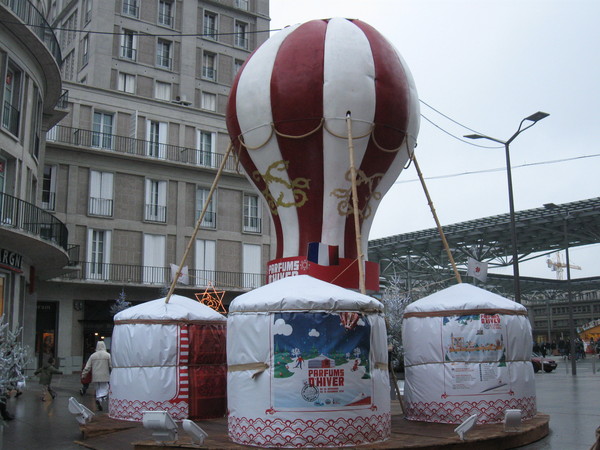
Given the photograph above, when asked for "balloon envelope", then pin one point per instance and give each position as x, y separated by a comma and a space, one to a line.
287, 117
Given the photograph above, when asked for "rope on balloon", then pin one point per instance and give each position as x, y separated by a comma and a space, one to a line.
322, 124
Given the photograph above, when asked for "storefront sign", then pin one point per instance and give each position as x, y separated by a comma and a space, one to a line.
11, 260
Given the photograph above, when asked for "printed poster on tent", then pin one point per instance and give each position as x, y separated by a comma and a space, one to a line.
475, 354
321, 361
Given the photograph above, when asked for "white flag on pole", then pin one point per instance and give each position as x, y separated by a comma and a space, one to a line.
477, 269
183, 276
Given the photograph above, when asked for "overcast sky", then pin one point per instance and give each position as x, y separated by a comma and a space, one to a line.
488, 64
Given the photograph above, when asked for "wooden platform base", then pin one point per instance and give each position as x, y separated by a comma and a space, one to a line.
104, 433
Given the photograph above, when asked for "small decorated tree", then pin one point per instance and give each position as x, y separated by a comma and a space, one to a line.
14, 356
120, 304
395, 300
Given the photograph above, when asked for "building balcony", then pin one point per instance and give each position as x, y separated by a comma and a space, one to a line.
24, 20
105, 142
127, 274
35, 233
35, 21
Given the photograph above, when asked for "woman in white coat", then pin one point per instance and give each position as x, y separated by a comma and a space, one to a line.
99, 364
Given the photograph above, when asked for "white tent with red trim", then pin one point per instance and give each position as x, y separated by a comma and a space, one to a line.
169, 357
467, 351
307, 366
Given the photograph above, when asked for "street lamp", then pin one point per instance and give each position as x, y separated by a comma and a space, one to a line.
572, 334
534, 118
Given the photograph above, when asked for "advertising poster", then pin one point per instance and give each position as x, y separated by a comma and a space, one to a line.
475, 354
321, 361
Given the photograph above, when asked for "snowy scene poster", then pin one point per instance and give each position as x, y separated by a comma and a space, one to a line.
321, 361
475, 353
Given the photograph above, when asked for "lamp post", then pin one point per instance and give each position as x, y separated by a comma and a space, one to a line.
572, 332
534, 118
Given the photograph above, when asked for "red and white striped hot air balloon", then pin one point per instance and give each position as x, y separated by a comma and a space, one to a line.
287, 119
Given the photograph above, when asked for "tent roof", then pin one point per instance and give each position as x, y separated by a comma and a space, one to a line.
179, 307
303, 293
462, 296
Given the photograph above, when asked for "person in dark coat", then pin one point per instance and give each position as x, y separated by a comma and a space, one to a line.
45, 372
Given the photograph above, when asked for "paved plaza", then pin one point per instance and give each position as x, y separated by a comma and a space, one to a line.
573, 404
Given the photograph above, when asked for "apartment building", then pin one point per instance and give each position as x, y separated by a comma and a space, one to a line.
33, 243
130, 167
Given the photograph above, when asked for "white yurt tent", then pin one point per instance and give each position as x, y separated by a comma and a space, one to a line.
307, 366
467, 351
170, 357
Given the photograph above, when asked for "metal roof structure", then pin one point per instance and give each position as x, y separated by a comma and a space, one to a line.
418, 259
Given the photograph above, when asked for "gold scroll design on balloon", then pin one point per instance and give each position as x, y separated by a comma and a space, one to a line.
345, 195
298, 186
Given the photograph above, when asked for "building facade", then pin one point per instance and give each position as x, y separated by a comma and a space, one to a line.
130, 167
550, 317
33, 242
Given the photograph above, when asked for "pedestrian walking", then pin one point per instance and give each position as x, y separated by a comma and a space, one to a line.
99, 364
46, 372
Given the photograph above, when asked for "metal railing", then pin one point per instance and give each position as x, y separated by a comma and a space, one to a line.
128, 52
165, 19
130, 8
24, 216
126, 145
164, 61
151, 275
35, 21
63, 101
48, 200
209, 220
100, 206
252, 224
155, 213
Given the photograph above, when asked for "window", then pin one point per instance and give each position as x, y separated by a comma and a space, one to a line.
102, 130
251, 266
49, 188
130, 8
69, 30
156, 137
162, 91
129, 45
237, 66
68, 67
163, 54
210, 25
209, 70
242, 4
205, 262
209, 101
126, 83
88, 10
210, 217
241, 39
165, 13
101, 193
205, 143
155, 209
252, 214
52, 134
98, 254
36, 123
85, 44
154, 259
11, 111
